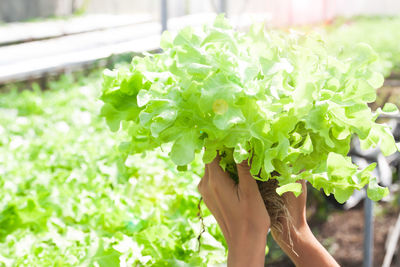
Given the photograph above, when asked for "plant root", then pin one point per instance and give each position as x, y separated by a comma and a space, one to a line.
276, 208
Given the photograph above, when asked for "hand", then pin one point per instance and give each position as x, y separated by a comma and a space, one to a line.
297, 223
296, 238
239, 211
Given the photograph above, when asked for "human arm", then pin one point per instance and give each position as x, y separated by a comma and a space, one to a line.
239, 211
296, 239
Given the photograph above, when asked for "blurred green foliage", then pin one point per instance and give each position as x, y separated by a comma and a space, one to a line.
69, 198
380, 32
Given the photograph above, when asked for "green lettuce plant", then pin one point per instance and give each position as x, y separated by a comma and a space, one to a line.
278, 100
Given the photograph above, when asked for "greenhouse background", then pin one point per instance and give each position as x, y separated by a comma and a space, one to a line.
70, 195
286, 11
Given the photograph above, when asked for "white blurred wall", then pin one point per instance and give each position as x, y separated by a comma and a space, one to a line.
355, 7
286, 12
279, 12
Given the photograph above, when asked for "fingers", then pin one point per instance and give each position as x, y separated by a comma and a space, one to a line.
243, 168
246, 180
214, 167
303, 184
211, 197
218, 178
224, 199
303, 194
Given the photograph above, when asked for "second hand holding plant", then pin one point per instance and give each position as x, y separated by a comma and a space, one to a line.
296, 238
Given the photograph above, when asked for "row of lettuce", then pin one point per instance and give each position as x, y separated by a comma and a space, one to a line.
381, 33
68, 198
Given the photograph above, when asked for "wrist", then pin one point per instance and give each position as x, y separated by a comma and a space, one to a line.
305, 249
294, 238
247, 250
249, 233
291, 234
